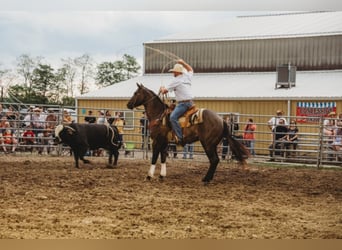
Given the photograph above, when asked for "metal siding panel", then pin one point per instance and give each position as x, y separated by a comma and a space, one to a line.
251, 55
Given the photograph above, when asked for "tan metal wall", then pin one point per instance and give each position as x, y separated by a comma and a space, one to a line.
307, 53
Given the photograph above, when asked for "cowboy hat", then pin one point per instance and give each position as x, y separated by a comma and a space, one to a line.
177, 68
279, 111
332, 113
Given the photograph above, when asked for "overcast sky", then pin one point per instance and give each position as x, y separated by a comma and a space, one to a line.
107, 29
105, 35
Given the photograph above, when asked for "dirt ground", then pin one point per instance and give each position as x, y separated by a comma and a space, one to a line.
47, 198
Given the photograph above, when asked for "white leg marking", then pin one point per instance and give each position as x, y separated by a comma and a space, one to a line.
151, 171
163, 169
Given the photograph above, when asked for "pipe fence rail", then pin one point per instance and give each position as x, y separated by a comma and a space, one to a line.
27, 130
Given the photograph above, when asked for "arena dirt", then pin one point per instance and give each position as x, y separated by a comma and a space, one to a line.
47, 198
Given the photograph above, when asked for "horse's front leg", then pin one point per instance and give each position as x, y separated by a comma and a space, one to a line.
163, 157
155, 153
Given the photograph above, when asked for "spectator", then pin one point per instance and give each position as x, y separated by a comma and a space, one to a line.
279, 138
8, 138
37, 121
28, 118
101, 119
274, 121
109, 117
50, 120
337, 141
172, 148
29, 138
119, 123
329, 127
292, 136
188, 149
12, 116
67, 119
45, 141
249, 136
145, 132
233, 127
90, 118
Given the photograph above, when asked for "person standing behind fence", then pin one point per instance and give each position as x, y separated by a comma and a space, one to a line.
329, 127
188, 149
292, 135
119, 123
233, 127
249, 136
145, 132
274, 121
90, 118
280, 134
101, 119
337, 142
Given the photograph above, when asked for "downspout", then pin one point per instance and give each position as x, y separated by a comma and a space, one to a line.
289, 111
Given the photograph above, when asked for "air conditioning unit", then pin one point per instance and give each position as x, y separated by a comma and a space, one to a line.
286, 76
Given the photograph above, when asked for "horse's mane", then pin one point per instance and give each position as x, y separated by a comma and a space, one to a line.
156, 97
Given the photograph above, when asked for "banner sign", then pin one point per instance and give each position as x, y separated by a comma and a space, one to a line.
310, 112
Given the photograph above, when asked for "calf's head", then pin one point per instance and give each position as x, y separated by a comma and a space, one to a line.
63, 132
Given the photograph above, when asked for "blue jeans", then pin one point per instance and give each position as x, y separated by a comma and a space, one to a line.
188, 148
179, 110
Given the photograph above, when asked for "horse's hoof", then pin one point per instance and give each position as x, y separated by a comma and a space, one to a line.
161, 178
110, 166
148, 178
206, 181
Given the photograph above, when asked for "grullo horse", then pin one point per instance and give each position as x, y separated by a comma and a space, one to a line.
206, 126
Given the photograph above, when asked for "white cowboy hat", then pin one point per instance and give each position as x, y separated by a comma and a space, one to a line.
177, 68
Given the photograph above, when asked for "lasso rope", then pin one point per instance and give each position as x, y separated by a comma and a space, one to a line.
173, 58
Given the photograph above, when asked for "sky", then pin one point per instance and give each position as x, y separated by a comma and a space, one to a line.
104, 35
108, 29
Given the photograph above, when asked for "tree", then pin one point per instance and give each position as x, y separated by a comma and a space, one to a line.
25, 67
131, 66
109, 73
85, 64
70, 71
60, 88
44, 81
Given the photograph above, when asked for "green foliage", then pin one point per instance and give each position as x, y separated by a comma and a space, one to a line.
19, 93
109, 73
36, 82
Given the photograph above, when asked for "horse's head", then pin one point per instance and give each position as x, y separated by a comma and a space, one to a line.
140, 97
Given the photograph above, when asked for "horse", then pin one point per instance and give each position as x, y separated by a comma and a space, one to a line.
209, 130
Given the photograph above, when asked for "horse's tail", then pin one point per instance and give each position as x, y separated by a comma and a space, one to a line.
239, 150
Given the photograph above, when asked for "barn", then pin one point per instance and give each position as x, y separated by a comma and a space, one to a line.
249, 65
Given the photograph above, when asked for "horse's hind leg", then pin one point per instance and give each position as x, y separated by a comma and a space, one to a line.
214, 160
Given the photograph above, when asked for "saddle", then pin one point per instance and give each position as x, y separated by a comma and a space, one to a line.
192, 116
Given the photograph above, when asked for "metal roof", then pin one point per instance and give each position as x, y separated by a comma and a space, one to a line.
325, 85
265, 27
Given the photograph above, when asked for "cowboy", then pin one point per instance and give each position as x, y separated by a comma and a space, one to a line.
181, 85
